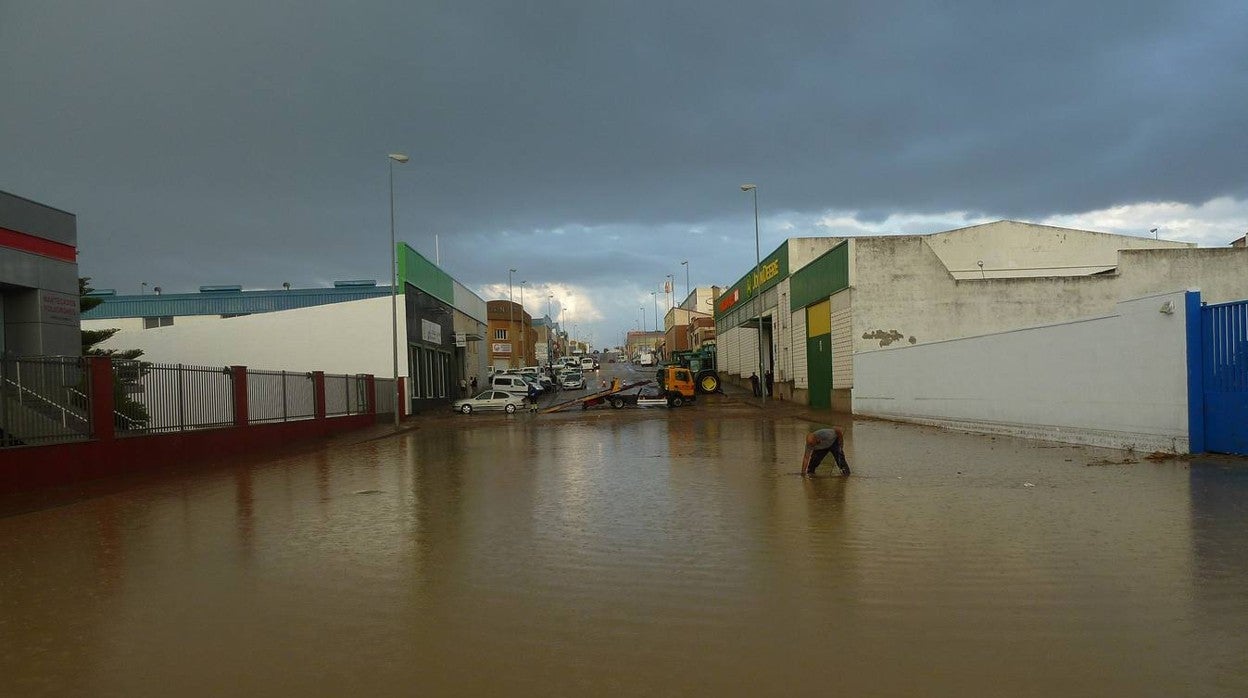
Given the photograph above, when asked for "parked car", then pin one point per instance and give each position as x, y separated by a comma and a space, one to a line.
573, 381
490, 400
510, 383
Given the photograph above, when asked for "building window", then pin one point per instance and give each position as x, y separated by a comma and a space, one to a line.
162, 321
500, 334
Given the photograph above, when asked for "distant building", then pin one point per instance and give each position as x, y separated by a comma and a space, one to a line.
345, 329
694, 311
511, 335
818, 301
638, 341
38, 279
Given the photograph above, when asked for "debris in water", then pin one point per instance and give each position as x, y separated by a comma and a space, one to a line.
368, 491
1028, 484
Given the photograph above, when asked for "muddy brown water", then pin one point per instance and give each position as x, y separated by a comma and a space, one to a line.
638, 553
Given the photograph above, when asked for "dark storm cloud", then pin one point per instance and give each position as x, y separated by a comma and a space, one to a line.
245, 142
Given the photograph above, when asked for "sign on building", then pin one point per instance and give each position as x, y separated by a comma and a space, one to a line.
430, 332
501, 347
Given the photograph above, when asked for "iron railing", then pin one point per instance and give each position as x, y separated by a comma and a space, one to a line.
155, 398
345, 395
46, 400
280, 396
384, 391
43, 400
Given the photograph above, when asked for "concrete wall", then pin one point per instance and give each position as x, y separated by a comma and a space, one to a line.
1118, 381
1016, 249
903, 294
803, 251
351, 337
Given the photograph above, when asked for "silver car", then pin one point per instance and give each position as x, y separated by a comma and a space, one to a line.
490, 400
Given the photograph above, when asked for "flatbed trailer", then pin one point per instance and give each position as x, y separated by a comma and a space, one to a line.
610, 395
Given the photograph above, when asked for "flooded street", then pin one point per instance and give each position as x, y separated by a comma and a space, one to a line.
639, 552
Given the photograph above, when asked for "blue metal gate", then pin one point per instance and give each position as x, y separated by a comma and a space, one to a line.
1224, 376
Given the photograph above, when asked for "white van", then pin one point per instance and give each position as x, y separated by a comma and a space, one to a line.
510, 383
587, 363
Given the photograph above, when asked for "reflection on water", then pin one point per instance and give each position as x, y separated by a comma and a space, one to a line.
667, 555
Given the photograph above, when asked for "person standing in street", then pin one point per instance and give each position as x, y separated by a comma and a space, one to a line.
769, 381
754, 385
819, 444
463, 388
474, 385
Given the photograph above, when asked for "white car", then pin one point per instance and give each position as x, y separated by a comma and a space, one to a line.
573, 381
490, 400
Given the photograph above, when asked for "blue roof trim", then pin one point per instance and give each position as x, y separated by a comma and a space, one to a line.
179, 304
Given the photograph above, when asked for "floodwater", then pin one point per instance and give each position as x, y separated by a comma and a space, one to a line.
639, 553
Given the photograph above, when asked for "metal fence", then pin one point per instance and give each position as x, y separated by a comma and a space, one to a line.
345, 395
384, 389
44, 400
280, 396
155, 398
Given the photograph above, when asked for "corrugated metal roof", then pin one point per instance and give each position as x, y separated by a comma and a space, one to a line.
243, 302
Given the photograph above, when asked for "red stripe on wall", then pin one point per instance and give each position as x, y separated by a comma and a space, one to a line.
37, 245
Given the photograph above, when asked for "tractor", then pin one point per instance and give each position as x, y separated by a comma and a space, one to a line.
701, 363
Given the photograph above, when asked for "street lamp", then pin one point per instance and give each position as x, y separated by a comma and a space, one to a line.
671, 291
524, 347
762, 392
642, 309
511, 322
685, 264
550, 340
394, 283
654, 299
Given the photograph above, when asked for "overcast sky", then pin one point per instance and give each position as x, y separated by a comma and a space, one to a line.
593, 146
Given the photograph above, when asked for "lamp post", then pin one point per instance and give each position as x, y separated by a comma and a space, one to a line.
685, 264
394, 283
511, 322
550, 340
671, 291
524, 347
642, 309
762, 391
654, 299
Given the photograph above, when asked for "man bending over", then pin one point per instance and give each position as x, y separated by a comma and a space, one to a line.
819, 444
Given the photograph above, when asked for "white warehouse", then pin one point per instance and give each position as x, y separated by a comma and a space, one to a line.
819, 301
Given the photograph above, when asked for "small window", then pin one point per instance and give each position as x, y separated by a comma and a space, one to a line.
500, 334
161, 321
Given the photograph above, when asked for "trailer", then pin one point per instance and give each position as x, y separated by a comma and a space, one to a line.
611, 396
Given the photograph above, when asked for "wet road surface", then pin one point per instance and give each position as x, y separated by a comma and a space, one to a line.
639, 552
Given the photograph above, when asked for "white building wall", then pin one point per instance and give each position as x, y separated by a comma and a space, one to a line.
1017, 249
1118, 381
842, 340
801, 375
782, 336
469, 303
349, 337
903, 294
